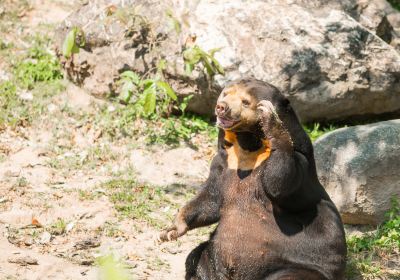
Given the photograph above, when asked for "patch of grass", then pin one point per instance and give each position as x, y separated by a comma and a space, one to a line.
157, 264
88, 159
38, 65
174, 130
371, 255
58, 227
22, 182
123, 121
112, 230
316, 130
88, 194
139, 202
37, 77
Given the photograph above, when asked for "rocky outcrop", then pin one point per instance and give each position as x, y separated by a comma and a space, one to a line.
359, 167
333, 59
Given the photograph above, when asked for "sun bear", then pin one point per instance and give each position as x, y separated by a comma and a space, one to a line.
275, 220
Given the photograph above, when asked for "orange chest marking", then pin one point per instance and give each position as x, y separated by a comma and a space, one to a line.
239, 158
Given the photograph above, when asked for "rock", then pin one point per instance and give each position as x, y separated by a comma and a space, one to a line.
174, 166
45, 238
23, 260
87, 243
359, 168
333, 59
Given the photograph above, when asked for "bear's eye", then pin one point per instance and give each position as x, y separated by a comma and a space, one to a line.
246, 102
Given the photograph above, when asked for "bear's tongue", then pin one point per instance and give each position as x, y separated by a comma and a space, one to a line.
225, 122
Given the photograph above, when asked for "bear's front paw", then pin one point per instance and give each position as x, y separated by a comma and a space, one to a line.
266, 109
173, 232
267, 113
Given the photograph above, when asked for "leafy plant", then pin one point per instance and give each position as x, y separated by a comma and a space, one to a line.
176, 129
184, 103
366, 251
111, 268
58, 227
194, 55
174, 21
39, 65
315, 130
74, 40
146, 91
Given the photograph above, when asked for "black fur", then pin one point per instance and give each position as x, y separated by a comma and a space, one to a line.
276, 221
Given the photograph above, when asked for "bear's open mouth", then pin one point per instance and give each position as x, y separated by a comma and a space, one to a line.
226, 123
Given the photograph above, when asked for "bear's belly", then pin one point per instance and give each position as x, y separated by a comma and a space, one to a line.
243, 243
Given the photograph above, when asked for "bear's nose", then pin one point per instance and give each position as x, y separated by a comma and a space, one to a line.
221, 108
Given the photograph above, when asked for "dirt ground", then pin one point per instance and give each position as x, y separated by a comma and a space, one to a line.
57, 216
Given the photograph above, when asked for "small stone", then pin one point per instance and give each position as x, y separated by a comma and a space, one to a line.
12, 173
45, 238
87, 243
69, 227
173, 251
28, 241
51, 107
26, 95
23, 260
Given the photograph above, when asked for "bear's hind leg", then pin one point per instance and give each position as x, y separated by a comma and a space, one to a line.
197, 263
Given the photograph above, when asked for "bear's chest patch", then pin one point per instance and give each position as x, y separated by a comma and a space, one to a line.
242, 159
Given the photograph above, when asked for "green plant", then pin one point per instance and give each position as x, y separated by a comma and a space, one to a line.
184, 103
58, 227
315, 130
111, 268
146, 91
367, 253
174, 21
194, 55
74, 40
39, 65
137, 201
176, 129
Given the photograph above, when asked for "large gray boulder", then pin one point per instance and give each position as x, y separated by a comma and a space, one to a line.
333, 59
359, 167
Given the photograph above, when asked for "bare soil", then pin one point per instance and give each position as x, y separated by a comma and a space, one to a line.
56, 217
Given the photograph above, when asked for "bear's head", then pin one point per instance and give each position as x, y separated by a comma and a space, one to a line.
236, 110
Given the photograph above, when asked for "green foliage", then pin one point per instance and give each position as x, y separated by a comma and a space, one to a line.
38, 65
184, 103
174, 21
176, 129
74, 40
58, 227
111, 268
4, 45
146, 92
365, 251
315, 130
8, 102
136, 201
15, 111
195, 55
